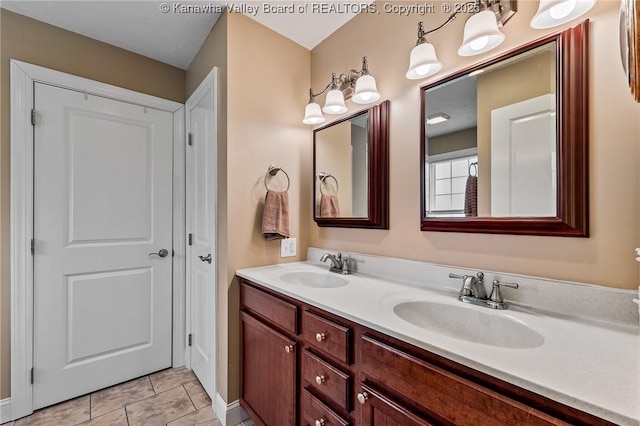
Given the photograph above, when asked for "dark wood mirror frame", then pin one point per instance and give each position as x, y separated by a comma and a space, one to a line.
572, 80
378, 173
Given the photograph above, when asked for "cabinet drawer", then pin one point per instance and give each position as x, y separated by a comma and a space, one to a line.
281, 313
315, 413
326, 379
377, 409
326, 336
442, 393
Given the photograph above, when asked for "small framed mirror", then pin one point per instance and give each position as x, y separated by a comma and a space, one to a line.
505, 143
351, 170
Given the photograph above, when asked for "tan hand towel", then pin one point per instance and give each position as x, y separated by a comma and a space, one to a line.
275, 218
329, 206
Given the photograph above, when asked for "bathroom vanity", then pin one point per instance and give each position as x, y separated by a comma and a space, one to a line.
307, 360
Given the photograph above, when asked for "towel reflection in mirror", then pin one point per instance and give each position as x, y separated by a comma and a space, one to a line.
329, 206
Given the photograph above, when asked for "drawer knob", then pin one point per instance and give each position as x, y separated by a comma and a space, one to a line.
320, 337
362, 397
288, 348
320, 379
321, 421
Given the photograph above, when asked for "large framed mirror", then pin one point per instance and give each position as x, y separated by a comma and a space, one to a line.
504, 144
351, 170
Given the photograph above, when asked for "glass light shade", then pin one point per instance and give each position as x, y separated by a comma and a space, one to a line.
423, 62
557, 12
313, 114
334, 104
481, 34
366, 90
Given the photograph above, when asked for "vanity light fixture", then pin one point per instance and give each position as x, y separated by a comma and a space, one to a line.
439, 117
360, 86
423, 61
481, 34
557, 12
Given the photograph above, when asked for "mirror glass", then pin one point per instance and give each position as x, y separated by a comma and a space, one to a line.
505, 143
351, 170
490, 145
342, 168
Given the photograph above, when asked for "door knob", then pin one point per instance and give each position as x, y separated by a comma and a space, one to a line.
206, 258
161, 253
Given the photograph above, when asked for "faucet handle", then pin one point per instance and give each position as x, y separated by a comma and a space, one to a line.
460, 277
346, 267
496, 294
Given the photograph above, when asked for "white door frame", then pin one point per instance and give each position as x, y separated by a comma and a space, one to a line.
23, 76
210, 82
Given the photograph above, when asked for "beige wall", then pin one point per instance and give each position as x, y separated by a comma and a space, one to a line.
464, 139
32, 41
606, 258
263, 118
525, 79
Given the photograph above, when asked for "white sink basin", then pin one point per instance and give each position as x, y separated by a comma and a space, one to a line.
470, 323
314, 279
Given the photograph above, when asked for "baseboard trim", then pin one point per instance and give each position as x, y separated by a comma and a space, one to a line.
229, 414
5, 410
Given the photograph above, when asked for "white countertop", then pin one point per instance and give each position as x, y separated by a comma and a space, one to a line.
589, 365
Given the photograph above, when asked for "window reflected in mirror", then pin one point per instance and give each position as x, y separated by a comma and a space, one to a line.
491, 145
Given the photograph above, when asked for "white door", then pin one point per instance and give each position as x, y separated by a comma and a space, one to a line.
102, 205
201, 226
523, 158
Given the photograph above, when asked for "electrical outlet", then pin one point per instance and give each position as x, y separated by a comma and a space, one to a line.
288, 247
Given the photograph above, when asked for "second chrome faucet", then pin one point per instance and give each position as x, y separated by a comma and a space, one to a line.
474, 292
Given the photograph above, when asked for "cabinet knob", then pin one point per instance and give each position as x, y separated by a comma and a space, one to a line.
288, 348
320, 337
320, 379
362, 397
321, 421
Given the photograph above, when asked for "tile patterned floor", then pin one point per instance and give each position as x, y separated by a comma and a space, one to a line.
172, 397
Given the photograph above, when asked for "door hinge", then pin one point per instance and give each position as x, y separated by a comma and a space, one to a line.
190, 139
190, 239
33, 117
173, 253
31, 375
33, 246
190, 339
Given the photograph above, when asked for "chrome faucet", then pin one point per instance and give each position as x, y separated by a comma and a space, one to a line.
474, 292
339, 264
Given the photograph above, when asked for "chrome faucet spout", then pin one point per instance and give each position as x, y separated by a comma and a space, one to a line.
338, 263
474, 292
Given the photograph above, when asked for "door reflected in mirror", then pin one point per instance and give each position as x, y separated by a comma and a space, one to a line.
491, 145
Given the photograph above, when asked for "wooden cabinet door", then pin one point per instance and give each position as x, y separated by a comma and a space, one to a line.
378, 410
269, 363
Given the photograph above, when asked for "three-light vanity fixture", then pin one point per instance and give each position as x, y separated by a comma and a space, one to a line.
360, 86
482, 30
481, 34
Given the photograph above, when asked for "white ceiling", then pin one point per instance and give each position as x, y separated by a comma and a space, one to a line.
175, 37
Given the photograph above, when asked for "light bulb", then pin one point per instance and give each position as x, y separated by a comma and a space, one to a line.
366, 96
479, 43
335, 109
423, 70
563, 9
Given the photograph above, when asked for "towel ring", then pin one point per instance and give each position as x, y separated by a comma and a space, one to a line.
272, 171
323, 176
475, 166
